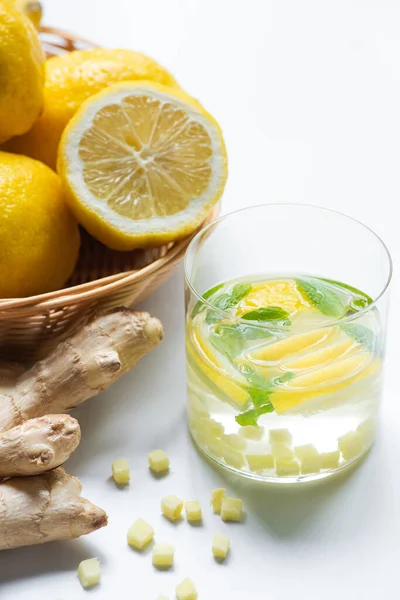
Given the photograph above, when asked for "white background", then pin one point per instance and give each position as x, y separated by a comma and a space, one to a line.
308, 96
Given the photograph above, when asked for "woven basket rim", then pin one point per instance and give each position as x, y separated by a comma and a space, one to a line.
99, 287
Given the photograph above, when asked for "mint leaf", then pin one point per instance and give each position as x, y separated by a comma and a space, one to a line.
200, 305
361, 334
232, 339
322, 297
259, 397
268, 314
250, 417
253, 378
283, 378
351, 289
239, 292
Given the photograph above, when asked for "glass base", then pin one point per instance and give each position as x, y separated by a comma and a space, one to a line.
265, 478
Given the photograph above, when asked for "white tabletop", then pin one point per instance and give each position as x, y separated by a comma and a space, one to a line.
308, 95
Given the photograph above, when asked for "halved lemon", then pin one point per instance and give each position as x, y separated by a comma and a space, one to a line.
142, 164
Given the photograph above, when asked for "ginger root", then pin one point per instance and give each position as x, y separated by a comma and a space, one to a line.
44, 508
80, 367
35, 438
38, 445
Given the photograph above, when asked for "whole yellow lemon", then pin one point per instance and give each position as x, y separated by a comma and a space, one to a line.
73, 78
21, 72
39, 238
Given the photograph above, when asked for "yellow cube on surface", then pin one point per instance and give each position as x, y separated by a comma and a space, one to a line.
171, 507
330, 460
282, 436
193, 511
163, 556
162, 598
186, 590
235, 441
287, 467
351, 445
158, 461
220, 546
89, 572
309, 459
140, 534
120, 471
231, 509
251, 432
260, 462
216, 499
281, 450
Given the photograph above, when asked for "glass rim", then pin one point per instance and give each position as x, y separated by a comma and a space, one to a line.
242, 321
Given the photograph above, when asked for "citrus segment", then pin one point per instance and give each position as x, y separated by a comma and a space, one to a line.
143, 164
295, 344
282, 293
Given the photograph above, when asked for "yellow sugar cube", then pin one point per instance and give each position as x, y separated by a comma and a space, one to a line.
89, 572
351, 444
251, 432
186, 590
309, 458
281, 450
216, 499
120, 471
260, 462
287, 467
163, 556
193, 511
140, 534
235, 441
231, 509
158, 461
367, 430
330, 460
220, 546
282, 436
162, 598
171, 507
233, 457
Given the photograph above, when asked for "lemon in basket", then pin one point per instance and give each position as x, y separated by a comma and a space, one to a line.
21, 72
70, 80
142, 164
39, 237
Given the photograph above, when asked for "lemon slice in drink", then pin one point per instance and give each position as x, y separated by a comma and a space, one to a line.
217, 370
142, 164
283, 293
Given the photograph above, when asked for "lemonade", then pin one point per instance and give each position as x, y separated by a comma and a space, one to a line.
284, 375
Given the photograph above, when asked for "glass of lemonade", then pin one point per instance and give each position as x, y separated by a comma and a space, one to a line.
285, 330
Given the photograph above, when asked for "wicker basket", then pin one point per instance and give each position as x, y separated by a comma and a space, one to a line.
30, 327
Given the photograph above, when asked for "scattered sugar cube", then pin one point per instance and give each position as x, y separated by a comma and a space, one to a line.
231, 509
140, 534
171, 507
286, 467
120, 471
330, 460
260, 462
280, 436
186, 590
163, 556
162, 598
89, 572
193, 511
252, 433
309, 458
216, 499
220, 546
158, 461
235, 441
351, 444
281, 450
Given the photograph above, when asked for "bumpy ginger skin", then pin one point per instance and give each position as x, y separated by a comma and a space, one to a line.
38, 445
80, 367
44, 508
